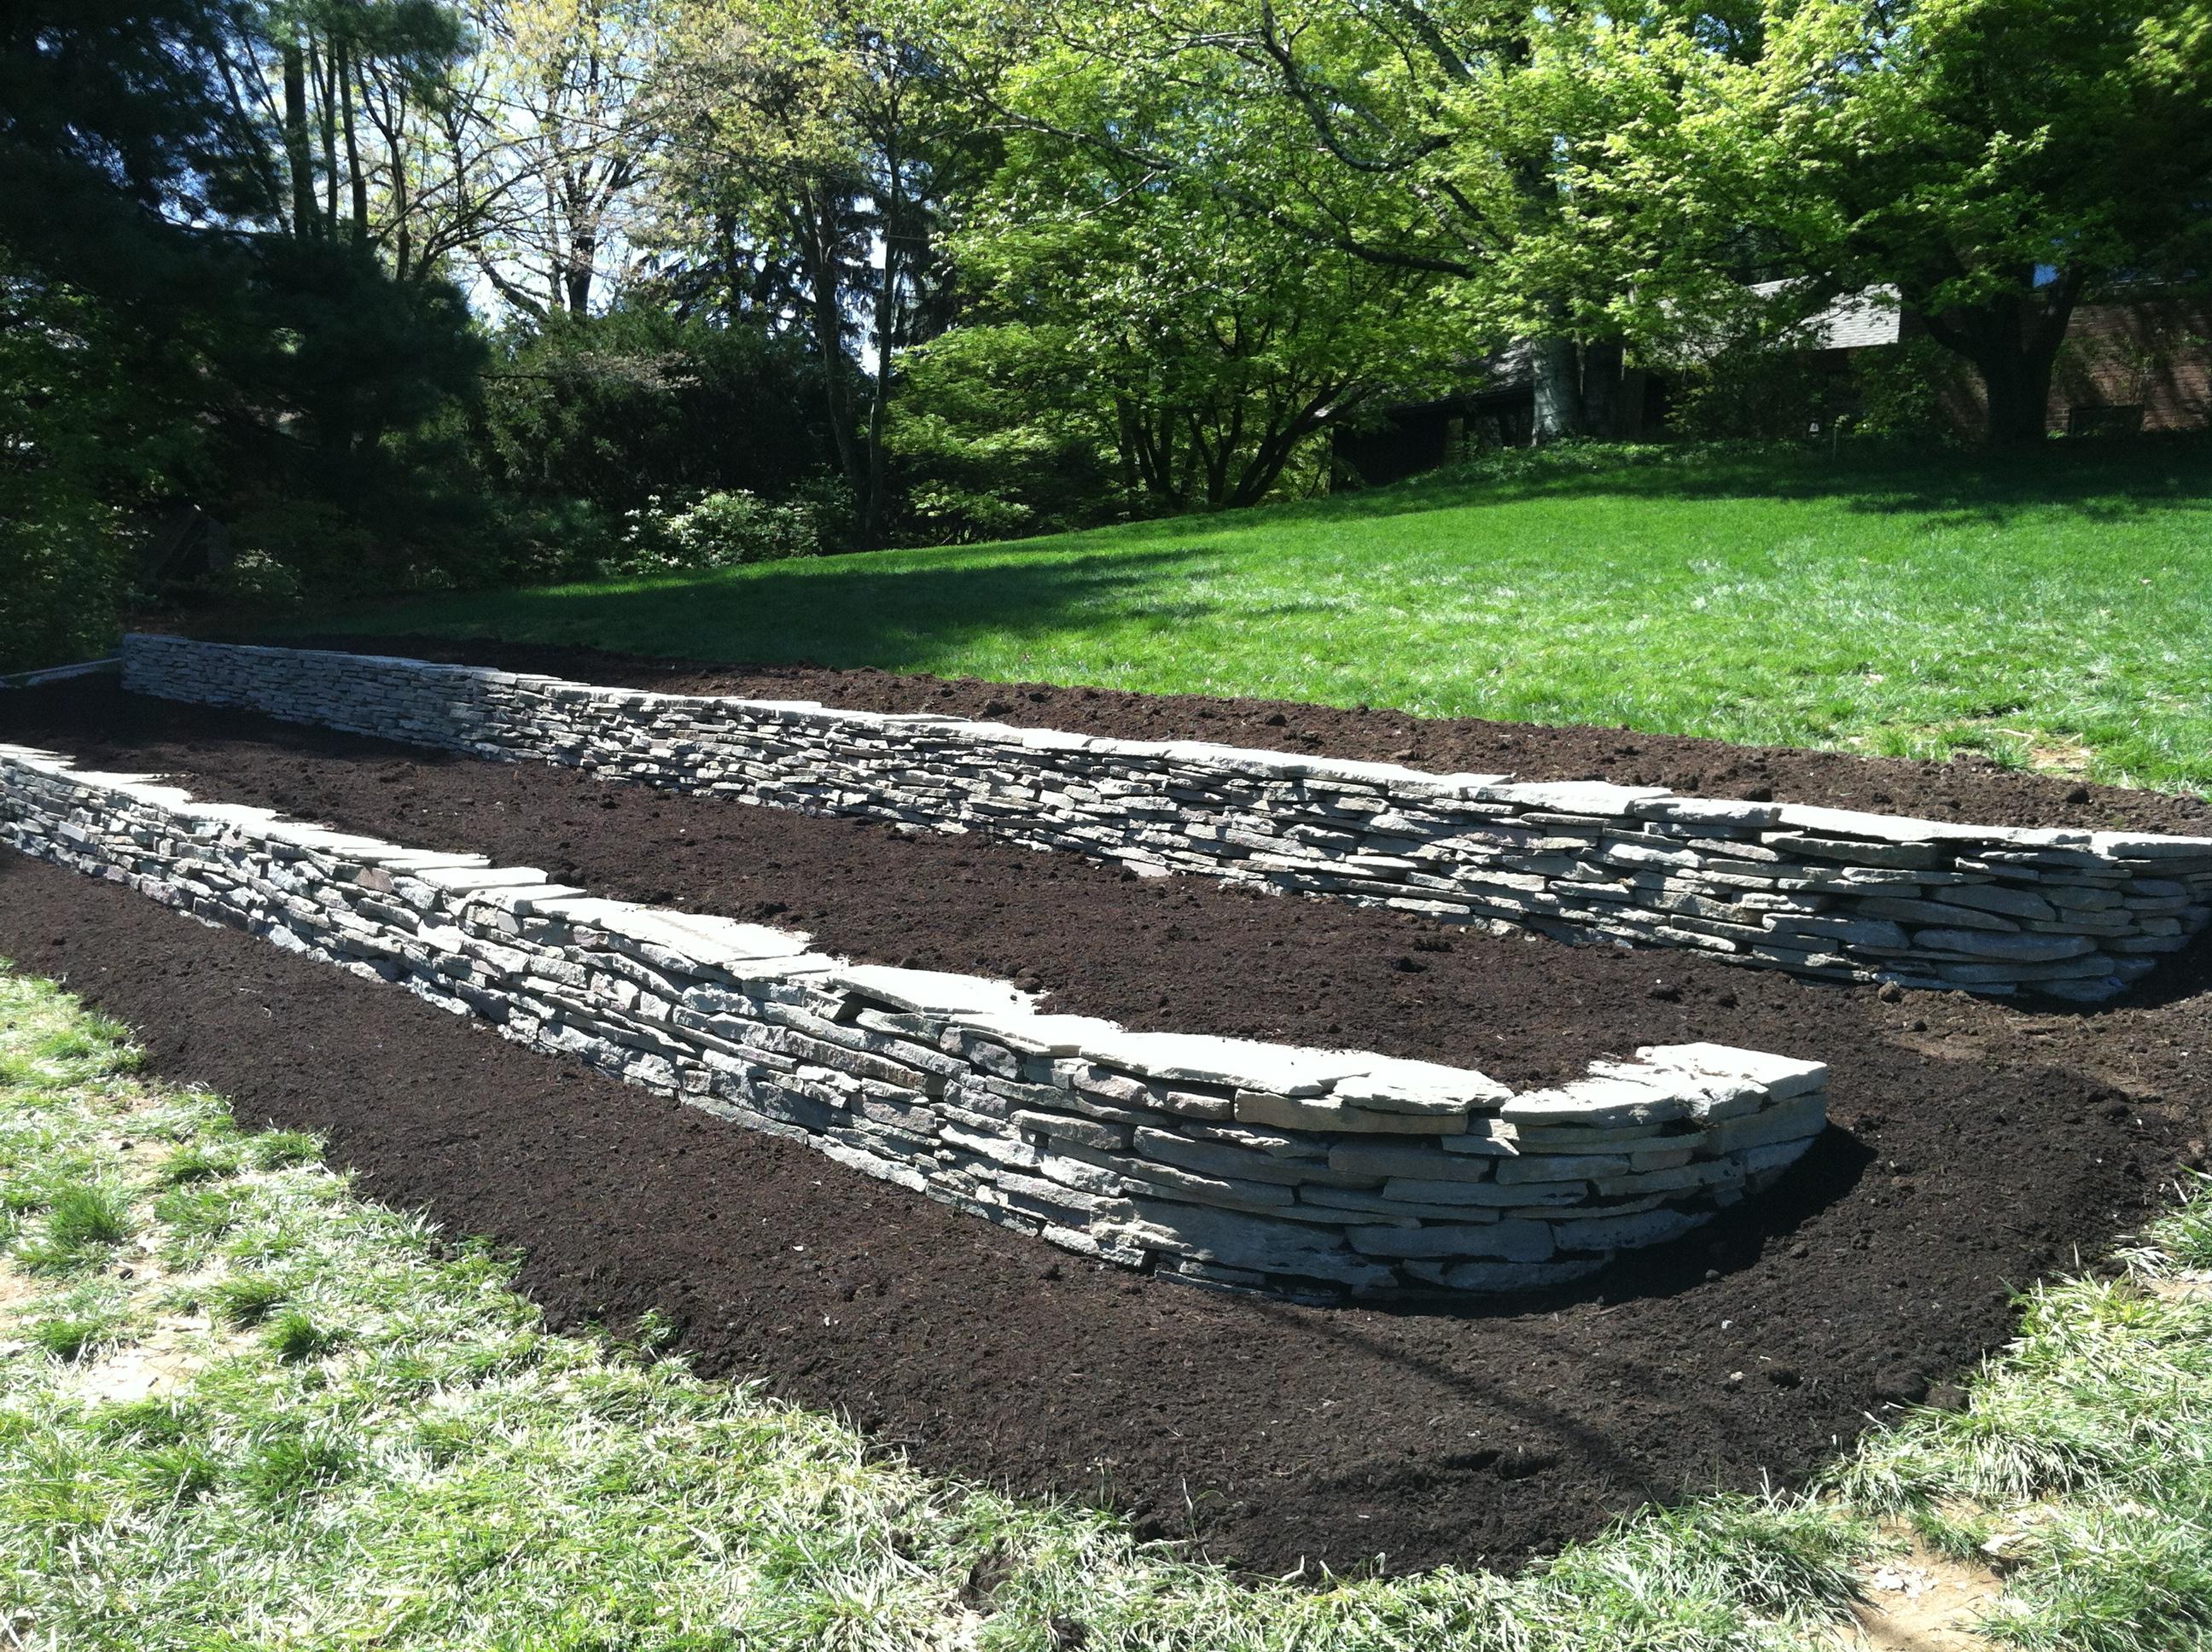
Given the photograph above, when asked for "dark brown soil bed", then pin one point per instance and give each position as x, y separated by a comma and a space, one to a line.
1267, 1432
1181, 954
1969, 789
1976, 1146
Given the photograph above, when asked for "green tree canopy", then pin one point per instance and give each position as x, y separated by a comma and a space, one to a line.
1202, 345
1995, 161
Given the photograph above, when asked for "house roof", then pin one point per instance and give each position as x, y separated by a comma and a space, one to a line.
1853, 321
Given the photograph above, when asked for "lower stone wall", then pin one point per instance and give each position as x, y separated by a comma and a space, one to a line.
1223, 1160
1825, 893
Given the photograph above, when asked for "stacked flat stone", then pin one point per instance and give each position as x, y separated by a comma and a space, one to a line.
1825, 893
1223, 1160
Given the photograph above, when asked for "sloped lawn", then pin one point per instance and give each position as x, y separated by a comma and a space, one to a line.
2054, 610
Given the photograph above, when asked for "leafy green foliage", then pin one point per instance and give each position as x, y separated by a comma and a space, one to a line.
615, 409
1004, 430
1756, 392
1198, 350
1766, 390
998, 270
189, 354
725, 530
1992, 161
358, 487
822, 152
86, 442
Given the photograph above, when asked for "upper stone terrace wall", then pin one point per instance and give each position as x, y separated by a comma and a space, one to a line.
1226, 1161
1820, 892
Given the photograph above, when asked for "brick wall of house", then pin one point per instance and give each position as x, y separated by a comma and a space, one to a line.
2153, 353
2156, 356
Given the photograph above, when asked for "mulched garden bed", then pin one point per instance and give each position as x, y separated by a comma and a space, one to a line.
1977, 1146
1970, 789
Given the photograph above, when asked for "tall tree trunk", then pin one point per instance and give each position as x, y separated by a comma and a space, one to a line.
402, 239
580, 252
326, 89
1556, 373
2017, 386
2014, 342
818, 237
297, 155
868, 510
576, 279
1601, 389
341, 78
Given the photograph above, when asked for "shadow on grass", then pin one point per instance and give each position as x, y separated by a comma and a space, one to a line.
907, 610
2104, 482
845, 611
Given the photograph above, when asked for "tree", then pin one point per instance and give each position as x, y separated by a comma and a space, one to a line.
1435, 137
110, 301
1995, 161
555, 145
1206, 348
1001, 430
337, 81
816, 151
617, 407
183, 345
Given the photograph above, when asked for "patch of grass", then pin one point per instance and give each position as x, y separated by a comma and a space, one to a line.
1956, 1535
246, 1299
2117, 1578
82, 1225
81, 1322
147, 1422
286, 1464
2054, 610
194, 1162
196, 1213
295, 1335
2084, 1453
460, 1478
280, 1150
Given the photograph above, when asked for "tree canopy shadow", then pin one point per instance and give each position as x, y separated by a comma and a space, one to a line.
2107, 482
896, 614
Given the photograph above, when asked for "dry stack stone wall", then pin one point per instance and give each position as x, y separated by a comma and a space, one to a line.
1217, 1160
1821, 892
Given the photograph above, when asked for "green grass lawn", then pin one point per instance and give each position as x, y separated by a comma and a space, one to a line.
2054, 610
240, 1407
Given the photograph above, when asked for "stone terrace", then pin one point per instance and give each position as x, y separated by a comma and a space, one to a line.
1823, 893
1220, 1161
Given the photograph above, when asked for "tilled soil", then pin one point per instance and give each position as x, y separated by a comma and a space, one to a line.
1976, 1146
1268, 1432
1970, 789
1181, 954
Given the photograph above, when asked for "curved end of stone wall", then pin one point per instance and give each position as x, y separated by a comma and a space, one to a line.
1828, 894
1221, 1161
